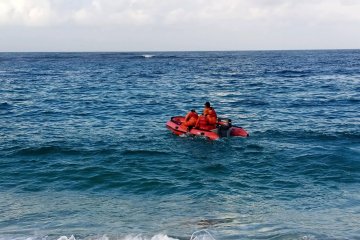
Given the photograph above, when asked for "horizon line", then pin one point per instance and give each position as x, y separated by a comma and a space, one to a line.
168, 51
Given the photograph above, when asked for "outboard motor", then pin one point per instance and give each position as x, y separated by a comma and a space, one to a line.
224, 127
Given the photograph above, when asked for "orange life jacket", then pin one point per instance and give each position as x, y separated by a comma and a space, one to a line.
206, 111
202, 123
211, 116
191, 119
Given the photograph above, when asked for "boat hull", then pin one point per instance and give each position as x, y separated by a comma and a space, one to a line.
223, 130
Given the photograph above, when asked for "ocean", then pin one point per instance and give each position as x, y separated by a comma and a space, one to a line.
85, 153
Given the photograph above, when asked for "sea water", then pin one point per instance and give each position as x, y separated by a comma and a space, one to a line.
85, 154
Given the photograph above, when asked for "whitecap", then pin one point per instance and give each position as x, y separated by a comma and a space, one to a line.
148, 55
159, 236
66, 238
202, 235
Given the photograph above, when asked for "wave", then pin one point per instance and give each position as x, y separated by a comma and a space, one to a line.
353, 100
251, 102
50, 150
5, 105
216, 169
197, 235
144, 152
38, 151
289, 73
128, 237
230, 75
150, 56
307, 134
213, 222
147, 56
322, 102
269, 230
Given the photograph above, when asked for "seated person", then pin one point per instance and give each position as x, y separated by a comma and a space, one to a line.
190, 119
208, 120
210, 114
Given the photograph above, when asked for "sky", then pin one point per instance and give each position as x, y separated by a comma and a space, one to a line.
178, 25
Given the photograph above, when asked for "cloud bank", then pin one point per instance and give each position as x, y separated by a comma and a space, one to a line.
242, 21
147, 12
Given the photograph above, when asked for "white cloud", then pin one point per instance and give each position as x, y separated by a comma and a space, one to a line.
182, 24
145, 12
111, 13
23, 12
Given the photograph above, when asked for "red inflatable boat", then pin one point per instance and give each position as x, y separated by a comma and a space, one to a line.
224, 129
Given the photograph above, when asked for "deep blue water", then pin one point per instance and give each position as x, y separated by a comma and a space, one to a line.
84, 150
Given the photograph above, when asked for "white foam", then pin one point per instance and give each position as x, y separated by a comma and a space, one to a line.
65, 238
148, 55
128, 237
202, 235
198, 235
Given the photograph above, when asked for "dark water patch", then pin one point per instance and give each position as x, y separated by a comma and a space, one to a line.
256, 147
216, 169
141, 185
20, 99
256, 85
39, 151
72, 177
320, 102
251, 102
327, 167
230, 75
239, 149
60, 150
285, 184
94, 171
144, 153
306, 135
289, 73
352, 100
105, 179
5, 106
146, 76
215, 222
240, 185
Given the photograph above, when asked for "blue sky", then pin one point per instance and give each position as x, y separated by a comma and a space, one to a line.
177, 25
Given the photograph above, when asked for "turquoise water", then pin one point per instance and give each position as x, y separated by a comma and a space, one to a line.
84, 150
